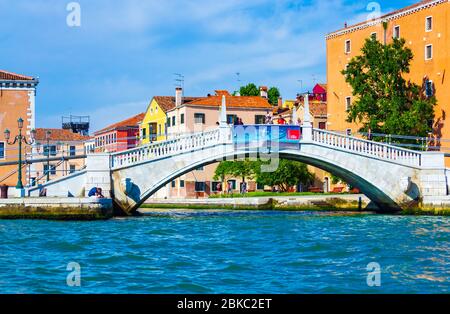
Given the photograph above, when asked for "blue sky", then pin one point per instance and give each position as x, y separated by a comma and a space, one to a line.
125, 52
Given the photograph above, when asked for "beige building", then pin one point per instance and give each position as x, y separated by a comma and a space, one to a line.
201, 114
61, 146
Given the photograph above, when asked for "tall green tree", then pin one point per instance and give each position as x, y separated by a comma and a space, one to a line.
249, 90
384, 101
273, 95
289, 173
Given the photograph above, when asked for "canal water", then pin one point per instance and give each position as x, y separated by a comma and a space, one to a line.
228, 252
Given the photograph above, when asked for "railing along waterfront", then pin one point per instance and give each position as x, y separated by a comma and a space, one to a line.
368, 148
167, 148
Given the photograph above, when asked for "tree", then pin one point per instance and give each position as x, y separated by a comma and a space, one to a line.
273, 95
249, 90
385, 102
289, 173
224, 169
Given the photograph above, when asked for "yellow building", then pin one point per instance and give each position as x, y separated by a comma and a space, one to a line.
425, 28
153, 127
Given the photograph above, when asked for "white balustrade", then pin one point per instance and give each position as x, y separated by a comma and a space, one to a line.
367, 148
167, 148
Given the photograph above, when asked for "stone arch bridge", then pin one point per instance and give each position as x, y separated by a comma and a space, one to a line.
391, 177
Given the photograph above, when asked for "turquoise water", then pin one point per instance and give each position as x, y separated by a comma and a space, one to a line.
227, 252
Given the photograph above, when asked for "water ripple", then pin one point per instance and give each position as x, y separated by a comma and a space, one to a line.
215, 251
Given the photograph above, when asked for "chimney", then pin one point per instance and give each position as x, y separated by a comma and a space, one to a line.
263, 92
280, 102
178, 96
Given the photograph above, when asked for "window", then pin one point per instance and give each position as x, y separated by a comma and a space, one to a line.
260, 119
233, 184
50, 149
429, 88
396, 32
174, 183
200, 186
199, 118
231, 118
72, 150
322, 125
349, 132
181, 183
215, 186
428, 52
52, 169
348, 103
72, 168
348, 46
373, 36
168, 122
200, 168
144, 133
2, 150
182, 118
173, 121
429, 24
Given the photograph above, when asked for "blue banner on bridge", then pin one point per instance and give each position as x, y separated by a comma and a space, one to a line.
248, 134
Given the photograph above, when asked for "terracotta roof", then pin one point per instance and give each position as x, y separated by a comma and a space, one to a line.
5, 75
60, 135
410, 7
127, 123
318, 108
168, 102
251, 102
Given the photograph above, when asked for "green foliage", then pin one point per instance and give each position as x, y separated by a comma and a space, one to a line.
385, 102
273, 95
335, 179
224, 169
289, 173
243, 169
249, 90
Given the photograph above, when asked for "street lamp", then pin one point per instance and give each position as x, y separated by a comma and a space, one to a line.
47, 151
20, 139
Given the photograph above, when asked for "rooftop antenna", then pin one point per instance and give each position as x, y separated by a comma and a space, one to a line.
314, 79
238, 79
301, 85
179, 81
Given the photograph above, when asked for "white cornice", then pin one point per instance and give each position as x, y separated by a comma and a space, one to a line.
385, 18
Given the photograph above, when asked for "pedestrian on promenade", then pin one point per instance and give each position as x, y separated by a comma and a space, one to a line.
229, 187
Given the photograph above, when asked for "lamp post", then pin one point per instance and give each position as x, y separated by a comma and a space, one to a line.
20, 139
47, 151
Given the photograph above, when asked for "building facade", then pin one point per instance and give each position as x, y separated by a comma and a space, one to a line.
119, 136
62, 146
425, 28
154, 125
17, 100
201, 114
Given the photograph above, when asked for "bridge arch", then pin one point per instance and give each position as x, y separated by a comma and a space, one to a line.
357, 176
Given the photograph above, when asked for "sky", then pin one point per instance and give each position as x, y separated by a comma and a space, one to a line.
124, 52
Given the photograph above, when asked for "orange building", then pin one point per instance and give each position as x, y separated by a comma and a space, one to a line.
17, 100
63, 145
425, 28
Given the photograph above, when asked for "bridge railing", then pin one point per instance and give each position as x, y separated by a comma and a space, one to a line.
167, 148
368, 148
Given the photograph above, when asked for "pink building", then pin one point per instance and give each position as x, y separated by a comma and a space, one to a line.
201, 114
